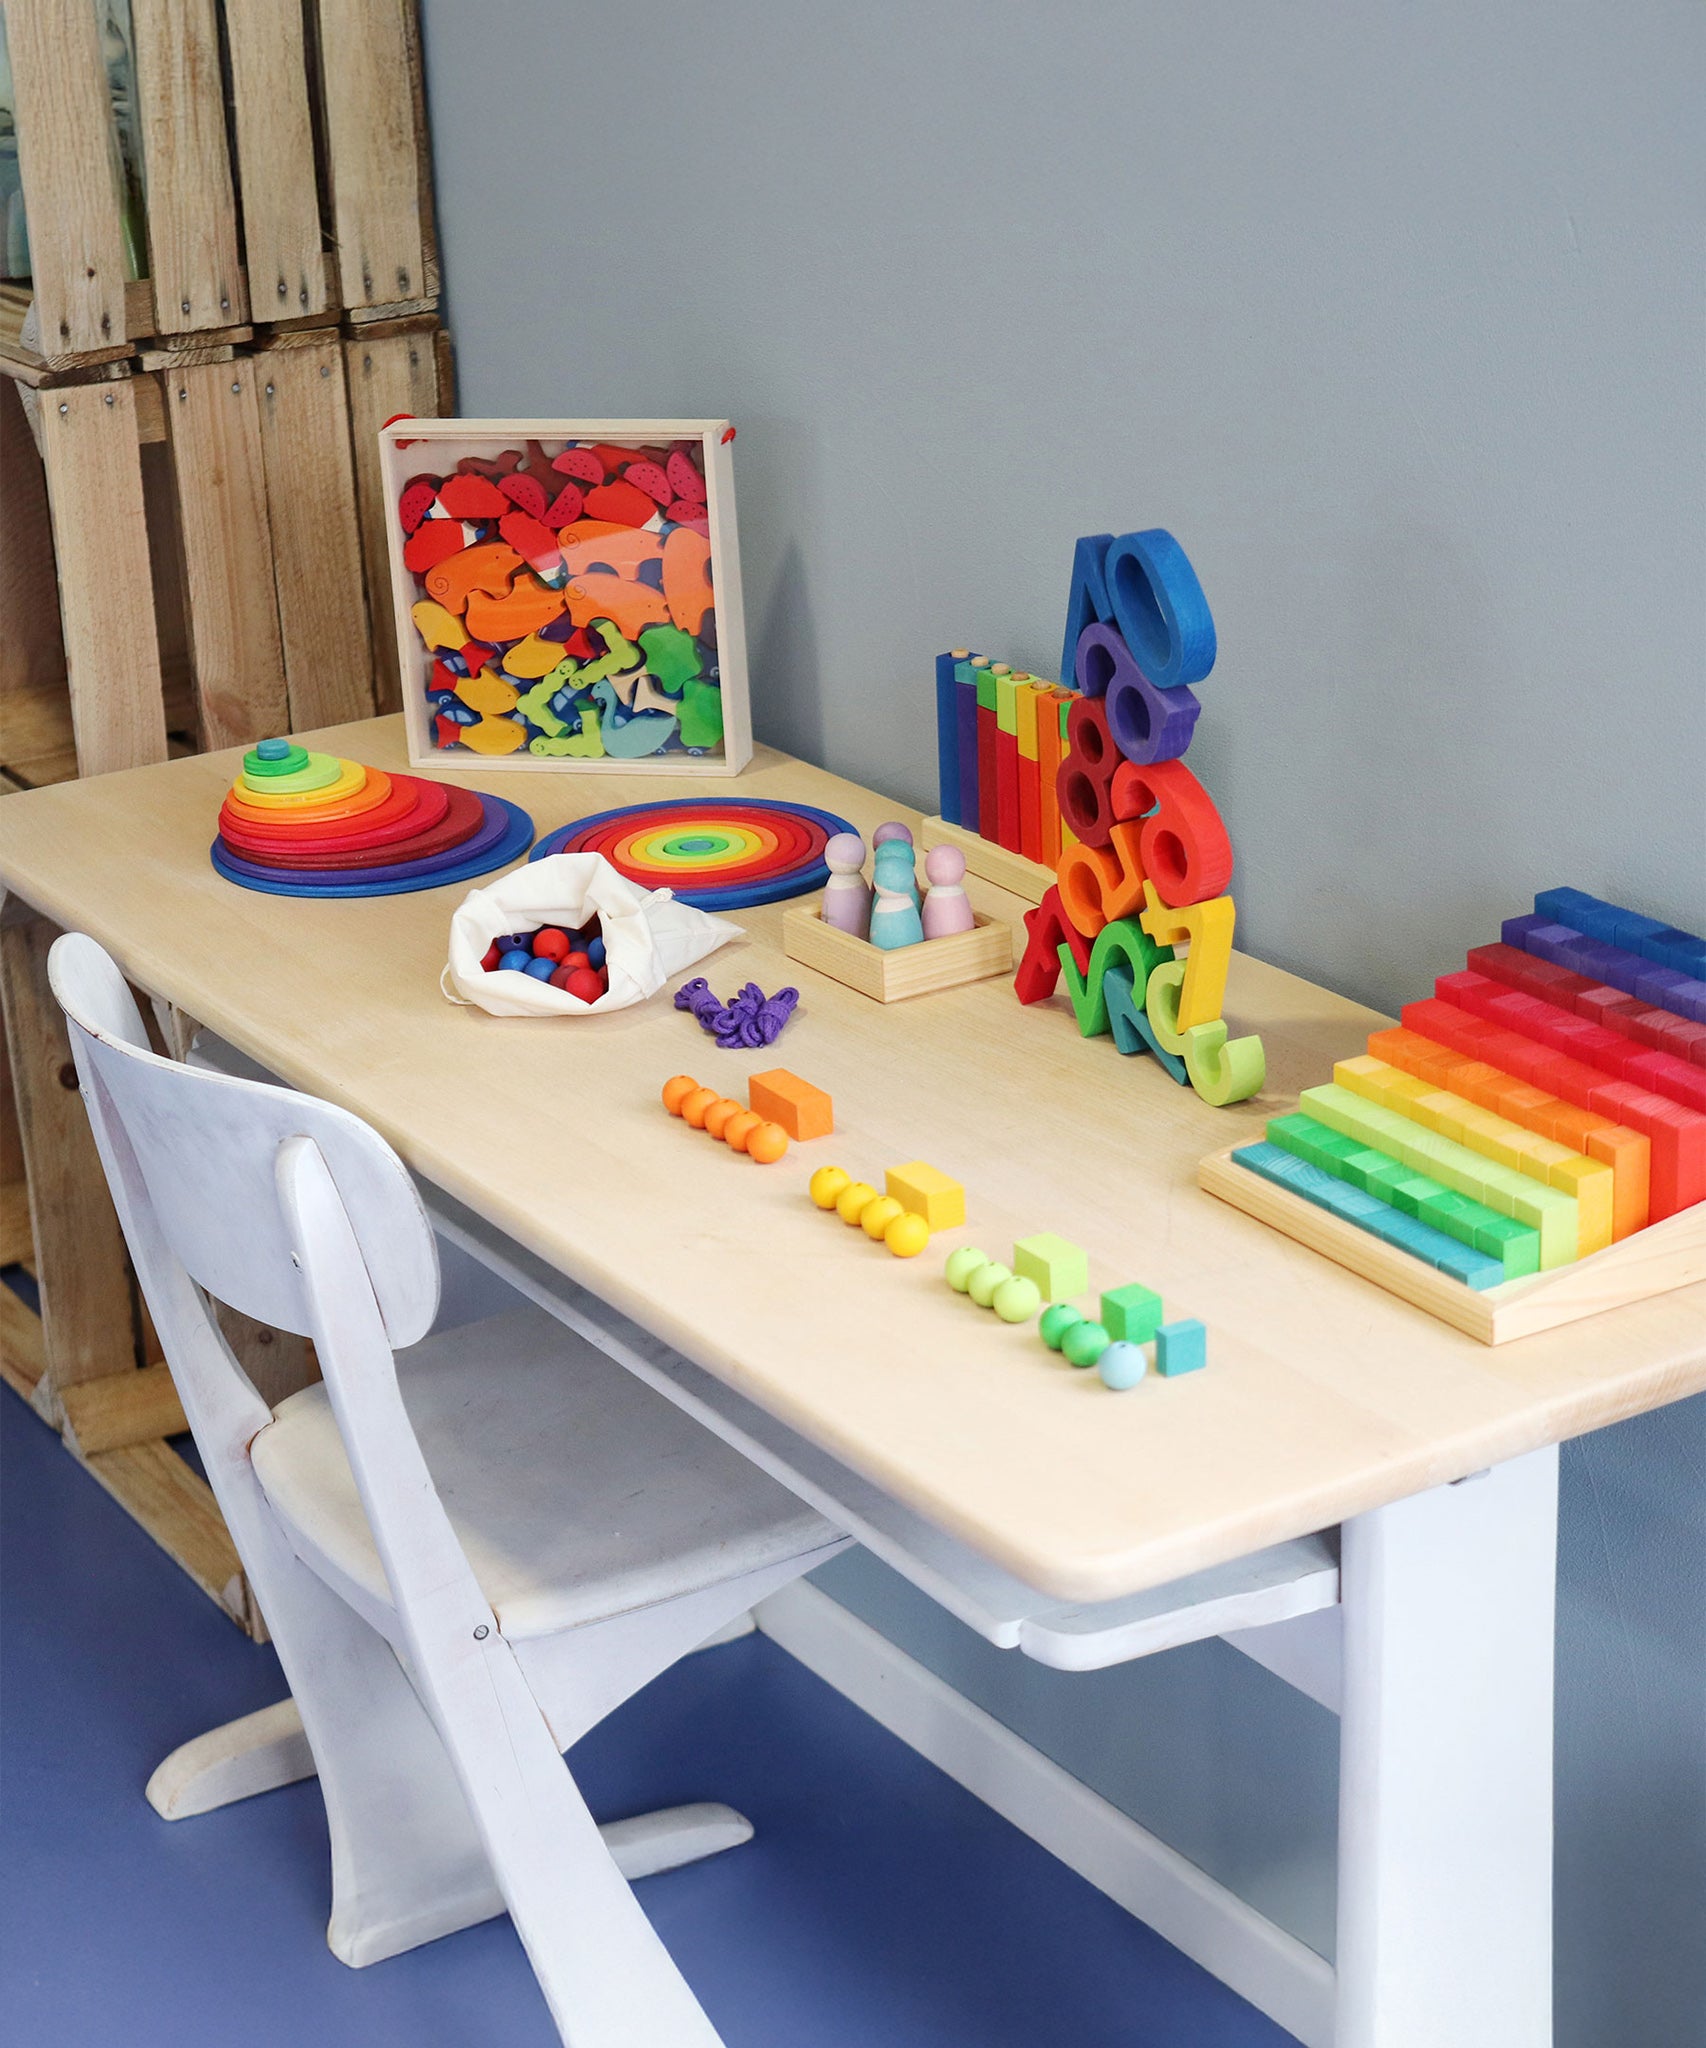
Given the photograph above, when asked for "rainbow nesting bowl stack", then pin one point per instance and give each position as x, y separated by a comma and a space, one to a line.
302, 824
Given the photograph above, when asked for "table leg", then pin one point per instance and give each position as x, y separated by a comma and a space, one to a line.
1445, 1798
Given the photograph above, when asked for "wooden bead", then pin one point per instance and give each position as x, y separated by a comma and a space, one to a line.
876, 1216
694, 1106
827, 1185
718, 1115
740, 1128
850, 1203
907, 1235
767, 1144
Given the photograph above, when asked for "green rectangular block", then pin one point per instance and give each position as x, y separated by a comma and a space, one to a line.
1131, 1314
985, 689
1059, 1269
1547, 1210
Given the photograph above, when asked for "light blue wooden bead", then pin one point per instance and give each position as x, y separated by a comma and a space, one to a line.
1122, 1365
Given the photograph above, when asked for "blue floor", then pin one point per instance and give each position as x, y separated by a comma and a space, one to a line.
879, 1904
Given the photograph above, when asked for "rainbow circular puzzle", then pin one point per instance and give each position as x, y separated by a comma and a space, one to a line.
714, 853
302, 824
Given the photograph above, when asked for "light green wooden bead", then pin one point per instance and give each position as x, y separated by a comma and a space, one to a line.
983, 1283
962, 1264
1017, 1300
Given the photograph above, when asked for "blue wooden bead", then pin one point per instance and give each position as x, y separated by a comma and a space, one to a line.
274, 750
1122, 1365
539, 966
595, 951
516, 958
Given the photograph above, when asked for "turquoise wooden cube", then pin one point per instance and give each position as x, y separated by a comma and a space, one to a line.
1131, 1314
1058, 1268
1180, 1347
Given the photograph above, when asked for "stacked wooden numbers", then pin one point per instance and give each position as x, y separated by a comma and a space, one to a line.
1145, 857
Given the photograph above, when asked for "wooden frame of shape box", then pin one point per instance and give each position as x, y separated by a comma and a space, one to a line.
629, 698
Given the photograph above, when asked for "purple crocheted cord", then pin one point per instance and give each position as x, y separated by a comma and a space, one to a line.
752, 1019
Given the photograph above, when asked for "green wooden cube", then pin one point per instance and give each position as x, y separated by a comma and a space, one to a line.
1131, 1314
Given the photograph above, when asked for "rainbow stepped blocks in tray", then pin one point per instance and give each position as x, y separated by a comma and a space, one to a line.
1138, 920
1544, 1104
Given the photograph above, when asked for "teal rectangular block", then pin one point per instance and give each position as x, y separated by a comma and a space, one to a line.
1180, 1347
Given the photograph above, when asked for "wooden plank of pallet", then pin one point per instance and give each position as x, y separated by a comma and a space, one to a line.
135, 1407
316, 539
100, 536
1664, 1256
80, 1259
176, 1506
35, 707
76, 244
17, 1246
214, 424
373, 160
388, 373
275, 162
22, 1357
192, 210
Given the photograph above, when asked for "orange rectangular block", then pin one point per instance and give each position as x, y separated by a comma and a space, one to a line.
783, 1098
1048, 771
1627, 1152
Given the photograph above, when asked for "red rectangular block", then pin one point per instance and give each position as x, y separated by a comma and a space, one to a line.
987, 734
1677, 1133
1593, 1003
1563, 1031
1007, 790
1030, 809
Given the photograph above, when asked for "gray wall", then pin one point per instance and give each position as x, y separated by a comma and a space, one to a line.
1393, 315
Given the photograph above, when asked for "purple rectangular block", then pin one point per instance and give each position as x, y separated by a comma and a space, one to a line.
965, 707
1517, 931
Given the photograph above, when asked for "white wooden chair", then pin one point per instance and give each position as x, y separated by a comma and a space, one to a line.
466, 1556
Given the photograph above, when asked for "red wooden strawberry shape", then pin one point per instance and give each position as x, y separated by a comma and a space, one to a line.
419, 494
581, 464
648, 477
685, 513
685, 480
565, 508
526, 491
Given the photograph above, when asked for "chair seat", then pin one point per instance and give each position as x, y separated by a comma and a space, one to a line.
576, 1492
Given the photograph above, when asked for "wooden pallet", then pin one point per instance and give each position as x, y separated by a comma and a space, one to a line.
1663, 1256
359, 240
190, 521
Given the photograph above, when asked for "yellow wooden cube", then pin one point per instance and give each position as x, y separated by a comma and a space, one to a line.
928, 1193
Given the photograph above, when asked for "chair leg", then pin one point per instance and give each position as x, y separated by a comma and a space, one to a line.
408, 1863
606, 1976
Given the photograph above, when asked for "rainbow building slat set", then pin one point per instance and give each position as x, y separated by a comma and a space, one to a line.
1544, 1103
567, 601
302, 824
1001, 736
1141, 856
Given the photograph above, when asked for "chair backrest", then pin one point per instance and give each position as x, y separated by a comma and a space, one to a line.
206, 1146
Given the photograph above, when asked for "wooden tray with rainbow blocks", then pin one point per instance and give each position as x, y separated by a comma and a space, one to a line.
1527, 1147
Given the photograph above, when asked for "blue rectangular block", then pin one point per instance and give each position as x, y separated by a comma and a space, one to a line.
1390, 1225
947, 741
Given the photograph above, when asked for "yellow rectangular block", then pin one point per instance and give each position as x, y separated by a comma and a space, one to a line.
1479, 1130
1025, 705
927, 1192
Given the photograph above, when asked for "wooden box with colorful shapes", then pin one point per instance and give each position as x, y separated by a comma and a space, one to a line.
567, 593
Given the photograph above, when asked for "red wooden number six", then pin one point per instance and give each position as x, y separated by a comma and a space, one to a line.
1085, 782
1184, 846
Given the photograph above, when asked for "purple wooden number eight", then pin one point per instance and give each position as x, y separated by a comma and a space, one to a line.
1147, 724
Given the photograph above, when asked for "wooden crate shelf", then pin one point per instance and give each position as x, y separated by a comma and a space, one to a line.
190, 525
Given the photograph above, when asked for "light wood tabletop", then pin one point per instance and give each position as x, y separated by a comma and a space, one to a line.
1324, 1396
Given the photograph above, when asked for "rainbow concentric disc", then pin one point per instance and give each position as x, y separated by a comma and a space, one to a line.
715, 854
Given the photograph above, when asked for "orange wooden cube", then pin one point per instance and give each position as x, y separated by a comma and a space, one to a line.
783, 1098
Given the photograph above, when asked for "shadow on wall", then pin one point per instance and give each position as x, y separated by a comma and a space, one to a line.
787, 697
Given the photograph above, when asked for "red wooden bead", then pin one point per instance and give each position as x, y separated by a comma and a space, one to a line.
490, 959
583, 982
550, 943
